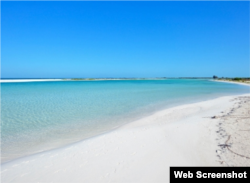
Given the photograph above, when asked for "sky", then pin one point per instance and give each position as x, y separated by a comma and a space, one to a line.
124, 39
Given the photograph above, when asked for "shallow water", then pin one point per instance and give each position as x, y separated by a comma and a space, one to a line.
37, 116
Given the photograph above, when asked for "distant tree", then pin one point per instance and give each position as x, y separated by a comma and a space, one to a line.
215, 77
237, 79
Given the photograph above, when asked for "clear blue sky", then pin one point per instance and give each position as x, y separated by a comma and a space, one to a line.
124, 39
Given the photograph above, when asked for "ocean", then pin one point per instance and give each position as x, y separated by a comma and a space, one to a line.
39, 116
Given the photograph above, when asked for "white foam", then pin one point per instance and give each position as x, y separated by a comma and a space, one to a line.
26, 80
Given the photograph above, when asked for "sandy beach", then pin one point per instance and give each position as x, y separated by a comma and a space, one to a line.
232, 82
143, 151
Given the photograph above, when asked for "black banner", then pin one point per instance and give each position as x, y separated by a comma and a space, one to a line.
198, 174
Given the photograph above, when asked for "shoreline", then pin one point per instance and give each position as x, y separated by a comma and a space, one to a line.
179, 136
95, 79
232, 82
42, 80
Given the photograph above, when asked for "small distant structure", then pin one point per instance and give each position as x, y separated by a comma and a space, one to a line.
215, 77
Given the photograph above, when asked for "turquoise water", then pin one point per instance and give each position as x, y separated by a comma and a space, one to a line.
37, 116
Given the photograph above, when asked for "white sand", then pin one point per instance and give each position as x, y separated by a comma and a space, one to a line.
233, 134
26, 80
141, 151
232, 82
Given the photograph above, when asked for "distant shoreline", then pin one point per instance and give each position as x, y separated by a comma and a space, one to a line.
232, 82
89, 79
116, 79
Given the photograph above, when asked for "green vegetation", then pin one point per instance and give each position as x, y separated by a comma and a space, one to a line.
236, 79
